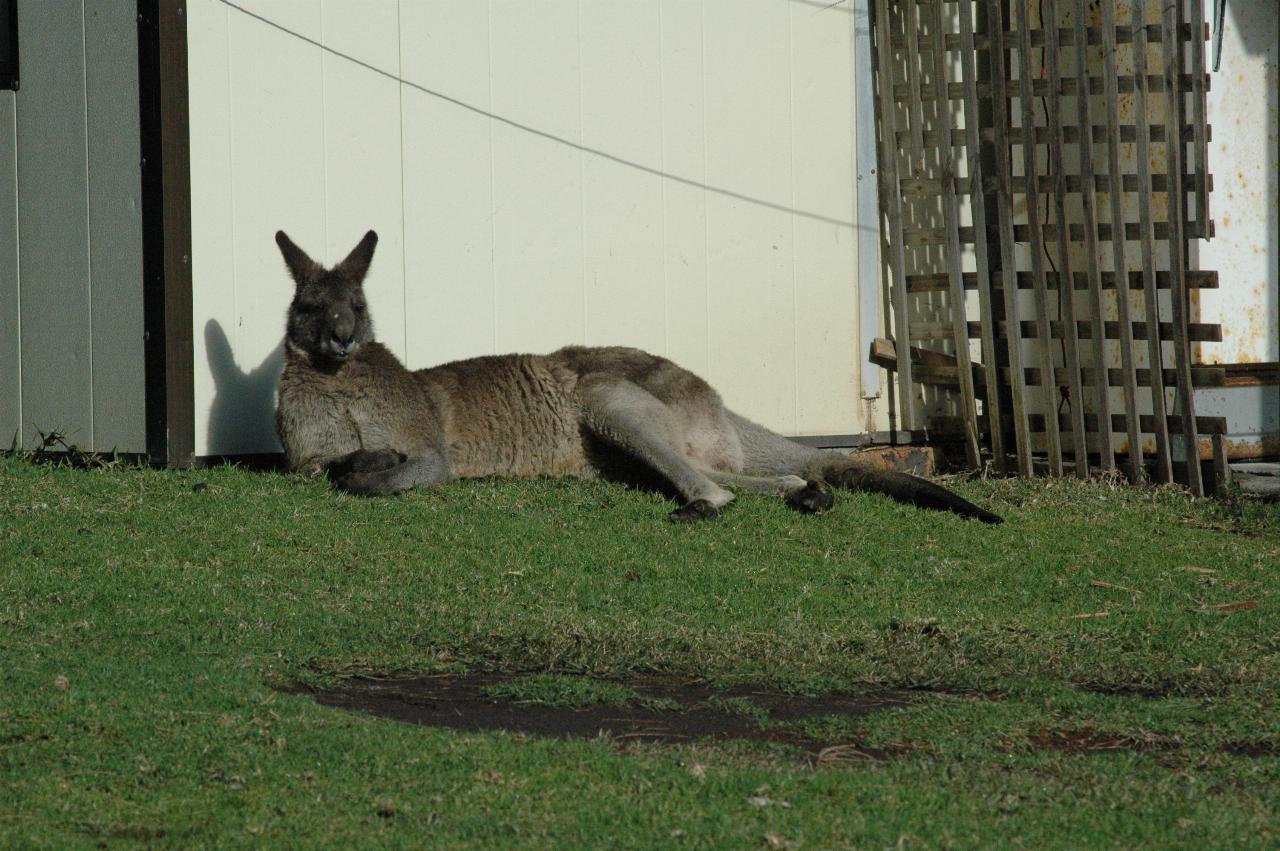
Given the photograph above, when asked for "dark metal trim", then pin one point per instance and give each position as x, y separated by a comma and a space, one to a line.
845, 441
9, 69
263, 461
166, 231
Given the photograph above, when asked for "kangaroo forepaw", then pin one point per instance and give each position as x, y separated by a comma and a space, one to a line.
364, 484
363, 461
813, 498
699, 509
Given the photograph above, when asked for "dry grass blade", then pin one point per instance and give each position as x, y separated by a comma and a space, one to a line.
1087, 615
1098, 583
1238, 606
842, 754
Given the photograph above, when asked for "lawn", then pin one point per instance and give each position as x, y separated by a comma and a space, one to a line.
1102, 670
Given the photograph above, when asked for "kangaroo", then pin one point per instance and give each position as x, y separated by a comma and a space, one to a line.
350, 409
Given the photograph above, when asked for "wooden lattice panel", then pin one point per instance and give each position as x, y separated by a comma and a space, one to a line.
1028, 144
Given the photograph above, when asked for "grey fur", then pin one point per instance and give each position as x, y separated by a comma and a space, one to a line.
350, 408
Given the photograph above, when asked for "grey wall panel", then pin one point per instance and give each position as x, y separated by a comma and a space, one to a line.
115, 227
53, 229
10, 320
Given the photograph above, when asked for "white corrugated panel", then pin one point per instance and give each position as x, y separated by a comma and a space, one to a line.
666, 174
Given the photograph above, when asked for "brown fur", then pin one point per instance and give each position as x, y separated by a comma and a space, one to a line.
349, 407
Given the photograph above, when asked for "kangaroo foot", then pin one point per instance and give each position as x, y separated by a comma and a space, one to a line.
813, 498
699, 509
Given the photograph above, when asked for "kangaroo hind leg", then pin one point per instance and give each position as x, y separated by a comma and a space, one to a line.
632, 419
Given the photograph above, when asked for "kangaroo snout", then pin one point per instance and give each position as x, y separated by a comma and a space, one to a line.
342, 343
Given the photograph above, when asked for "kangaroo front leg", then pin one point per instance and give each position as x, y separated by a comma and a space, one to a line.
362, 461
634, 420
809, 497
419, 470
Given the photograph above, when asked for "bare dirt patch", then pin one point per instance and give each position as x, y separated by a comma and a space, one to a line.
1086, 741
685, 712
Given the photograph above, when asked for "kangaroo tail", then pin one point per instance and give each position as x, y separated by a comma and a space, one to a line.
905, 488
768, 454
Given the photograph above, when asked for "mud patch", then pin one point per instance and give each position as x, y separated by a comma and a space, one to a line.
1087, 741
1253, 749
1090, 741
654, 711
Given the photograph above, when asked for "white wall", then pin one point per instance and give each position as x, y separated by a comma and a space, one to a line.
1244, 158
667, 174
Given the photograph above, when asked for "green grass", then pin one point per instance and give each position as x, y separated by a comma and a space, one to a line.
142, 623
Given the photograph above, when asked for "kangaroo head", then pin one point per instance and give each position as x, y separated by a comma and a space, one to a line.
328, 317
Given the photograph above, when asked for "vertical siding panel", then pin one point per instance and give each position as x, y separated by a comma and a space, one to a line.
684, 203
217, 378
53, 225
622, 204
115, 227
278, 181
822, 134
10, 316
537, 178
298, 16
362, 160
362, 149
448, 171
365, 30
750, 244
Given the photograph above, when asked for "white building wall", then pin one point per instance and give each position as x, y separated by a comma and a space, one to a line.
668, 174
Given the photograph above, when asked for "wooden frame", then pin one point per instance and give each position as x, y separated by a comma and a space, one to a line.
166, 231
9, 66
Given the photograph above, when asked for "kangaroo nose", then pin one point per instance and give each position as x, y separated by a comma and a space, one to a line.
346, 341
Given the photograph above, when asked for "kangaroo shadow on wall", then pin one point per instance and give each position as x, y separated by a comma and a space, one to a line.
242, 416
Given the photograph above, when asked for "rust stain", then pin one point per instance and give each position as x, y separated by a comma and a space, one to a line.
1260, 447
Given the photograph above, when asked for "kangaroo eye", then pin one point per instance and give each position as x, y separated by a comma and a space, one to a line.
358, 308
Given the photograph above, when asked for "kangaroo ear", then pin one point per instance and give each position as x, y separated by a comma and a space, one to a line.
301, 267
357, 263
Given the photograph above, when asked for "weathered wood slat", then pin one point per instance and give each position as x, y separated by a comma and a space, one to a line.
1199, 108
1004, 216
1066, 301
1177, 249
1031, 169
1164, 460
891, 202
919, 187
939, 368
1072, 133
1119, 279
1197, 332
1221, 469
1102, 395
954, 259
1066, 37
1146, 423
1200, 332
946, 425
912, 89
973, 150
1204, 280
1022, 233
1126, 84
